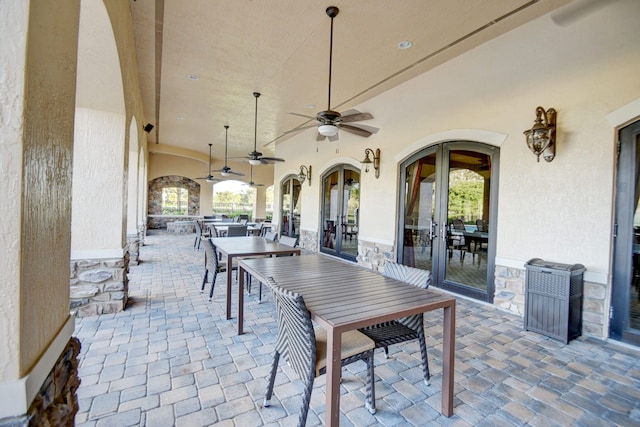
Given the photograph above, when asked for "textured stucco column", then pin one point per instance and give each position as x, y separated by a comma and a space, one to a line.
37, 104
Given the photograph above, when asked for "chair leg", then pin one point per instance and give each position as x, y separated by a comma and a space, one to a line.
371, 387
425, 359
271, 381
259, 292
386, 352
306, 399
204, 281
213, 284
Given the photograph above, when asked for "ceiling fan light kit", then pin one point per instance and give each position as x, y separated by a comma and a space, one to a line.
328, 130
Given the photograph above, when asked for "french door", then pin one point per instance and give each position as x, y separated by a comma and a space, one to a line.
340, 211
448, 215
625, 296
290, 202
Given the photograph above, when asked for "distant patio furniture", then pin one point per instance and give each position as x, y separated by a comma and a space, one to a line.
288, 240
199, 234
212, 265
304, 348
237, 231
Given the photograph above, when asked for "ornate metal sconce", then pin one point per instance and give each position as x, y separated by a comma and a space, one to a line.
302, 176
376, 160
541, 138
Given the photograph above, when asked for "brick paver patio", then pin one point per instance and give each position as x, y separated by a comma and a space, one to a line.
172, 359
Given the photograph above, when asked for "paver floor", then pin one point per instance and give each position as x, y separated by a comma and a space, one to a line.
172, 359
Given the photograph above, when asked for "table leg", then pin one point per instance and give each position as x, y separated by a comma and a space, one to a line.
448, 359
229, 279
334, 343
241, 275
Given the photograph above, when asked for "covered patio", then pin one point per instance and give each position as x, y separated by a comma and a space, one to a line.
171, 358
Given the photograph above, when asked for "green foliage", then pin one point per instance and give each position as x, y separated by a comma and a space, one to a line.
466, 195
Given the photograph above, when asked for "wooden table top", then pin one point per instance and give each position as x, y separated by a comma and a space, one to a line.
344, 295
251, 245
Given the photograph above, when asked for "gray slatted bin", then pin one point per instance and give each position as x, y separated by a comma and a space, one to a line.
553, 299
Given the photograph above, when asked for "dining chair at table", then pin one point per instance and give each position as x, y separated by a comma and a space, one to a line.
199, 234
406, 328
237, 231
288, 240
304, 348
212, 265
270, 236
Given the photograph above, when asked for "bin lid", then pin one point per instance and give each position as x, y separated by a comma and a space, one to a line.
540, 263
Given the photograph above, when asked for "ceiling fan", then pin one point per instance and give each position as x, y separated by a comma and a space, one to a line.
330, 121
209, 177
255, 157
226, 170
251, 183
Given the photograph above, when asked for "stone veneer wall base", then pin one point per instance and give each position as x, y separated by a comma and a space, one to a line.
56, 404
99, 286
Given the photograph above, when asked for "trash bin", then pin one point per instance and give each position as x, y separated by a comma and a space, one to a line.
553, 299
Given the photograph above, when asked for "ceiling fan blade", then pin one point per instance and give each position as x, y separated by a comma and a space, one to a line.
355, 130
270, 160
303, 115
235, 173
368, 128
297, 129
356, 117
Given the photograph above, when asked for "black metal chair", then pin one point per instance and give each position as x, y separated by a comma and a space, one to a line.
304, 348
407, 328
212, 265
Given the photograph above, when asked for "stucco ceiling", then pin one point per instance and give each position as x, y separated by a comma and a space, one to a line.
200, 60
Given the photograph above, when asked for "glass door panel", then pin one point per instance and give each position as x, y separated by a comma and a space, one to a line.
290, 202
340, 212
445, 216
419, 231
625, 294
467, 218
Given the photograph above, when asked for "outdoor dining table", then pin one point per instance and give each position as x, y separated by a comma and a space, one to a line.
233, 247
343, 296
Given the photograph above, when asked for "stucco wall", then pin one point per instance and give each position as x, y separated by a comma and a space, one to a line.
36, 169
560, 211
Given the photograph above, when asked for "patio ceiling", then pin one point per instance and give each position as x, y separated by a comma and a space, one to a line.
200, 60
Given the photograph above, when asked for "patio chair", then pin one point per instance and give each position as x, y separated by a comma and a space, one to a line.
304, 348
237, 231
407, 328
199, 234
212, 265
288, 241
270, 235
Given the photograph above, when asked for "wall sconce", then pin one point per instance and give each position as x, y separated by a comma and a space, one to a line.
376, 160
302, 176
541, 138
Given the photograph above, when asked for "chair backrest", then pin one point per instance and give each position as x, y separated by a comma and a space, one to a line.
458, 225
243, 221
210, 256
236, 231
213, 231
288, 240
296, 340
414, 276
198, 228
482, 226
270, 235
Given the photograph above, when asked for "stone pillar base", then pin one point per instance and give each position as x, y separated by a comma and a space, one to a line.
99, 286
56, 404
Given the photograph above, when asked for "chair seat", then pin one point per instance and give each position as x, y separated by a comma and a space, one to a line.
353, 344
389, 333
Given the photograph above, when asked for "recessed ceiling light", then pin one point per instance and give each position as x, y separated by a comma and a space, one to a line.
309, 106
193, 77
405, 44
180, 117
